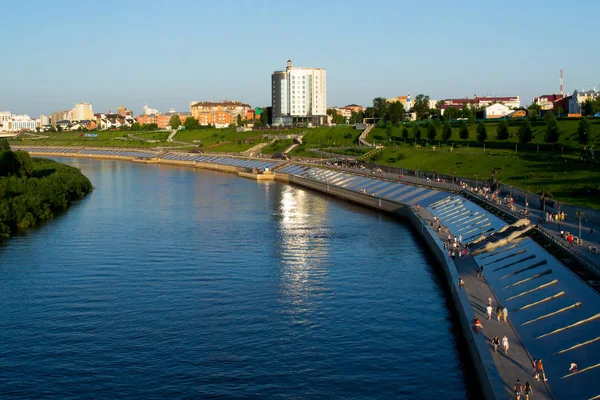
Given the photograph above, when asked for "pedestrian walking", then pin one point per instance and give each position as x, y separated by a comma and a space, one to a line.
528, 391
574, 368
505, 313
489, 301
489, 312
461, 283
498, 312
505, 344
540, 370
536, 375
518, 389
496, 343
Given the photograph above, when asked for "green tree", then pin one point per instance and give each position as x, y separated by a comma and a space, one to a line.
380, 107
396, 112
239, 120
502, 130
446, 132
4, 146
25, 163
466, 112
583, 131
552, 132
463, 131
265, 116
174, 121
405, 133
388, 131
534, 110
356, 117
525, 132
191, 123
451, 113
481, 132
421, 105
416, 132
431, 132
588, 107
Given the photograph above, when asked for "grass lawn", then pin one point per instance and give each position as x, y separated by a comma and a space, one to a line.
104, 139
278, 146
214, 136
336, 136
158, 135
563, 179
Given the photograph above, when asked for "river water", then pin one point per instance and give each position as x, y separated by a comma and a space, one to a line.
171, 283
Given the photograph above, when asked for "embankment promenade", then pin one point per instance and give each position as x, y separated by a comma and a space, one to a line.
552, 313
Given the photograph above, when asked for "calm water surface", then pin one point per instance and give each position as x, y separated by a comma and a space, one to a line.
170, 283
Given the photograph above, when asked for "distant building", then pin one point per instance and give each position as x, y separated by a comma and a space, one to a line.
44, 120
164, 120
404, 100
510, 102
65, 115
546, 101
354, 107
577, 98
123, 111
147, 119
220, 114
5, 116
496, 110
21, 122
299, 95
149, 111
83, 111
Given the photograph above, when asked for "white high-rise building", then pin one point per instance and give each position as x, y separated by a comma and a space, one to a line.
83, 111
149, 111
5, 116
299, 95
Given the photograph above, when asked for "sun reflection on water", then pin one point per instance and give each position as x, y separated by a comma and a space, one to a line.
303, 250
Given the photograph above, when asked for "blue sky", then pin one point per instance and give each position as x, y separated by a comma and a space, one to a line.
168, 53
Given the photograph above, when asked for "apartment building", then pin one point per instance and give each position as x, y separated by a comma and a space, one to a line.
299, 95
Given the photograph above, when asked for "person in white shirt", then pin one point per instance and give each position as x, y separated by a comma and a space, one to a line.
489, 312
505, 344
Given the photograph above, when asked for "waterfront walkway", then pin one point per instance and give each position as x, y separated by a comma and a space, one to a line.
517, 364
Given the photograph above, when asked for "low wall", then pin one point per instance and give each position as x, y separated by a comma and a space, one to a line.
189, 164
488, 376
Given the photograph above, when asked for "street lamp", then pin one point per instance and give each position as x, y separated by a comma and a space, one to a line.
475, 182
580, 214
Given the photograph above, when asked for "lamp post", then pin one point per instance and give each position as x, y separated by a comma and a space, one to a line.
580, 214
475, 182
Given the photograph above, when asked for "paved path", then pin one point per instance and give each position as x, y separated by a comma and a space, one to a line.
517, 364
570, 224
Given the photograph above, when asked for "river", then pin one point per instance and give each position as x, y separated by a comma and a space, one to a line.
171, 283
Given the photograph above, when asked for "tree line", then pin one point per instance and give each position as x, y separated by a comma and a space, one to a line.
524, 132
33, 190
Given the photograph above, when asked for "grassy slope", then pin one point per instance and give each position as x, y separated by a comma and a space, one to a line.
565, 180
278, 146
104, 139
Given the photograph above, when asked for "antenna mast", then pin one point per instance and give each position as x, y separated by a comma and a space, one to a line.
561, 81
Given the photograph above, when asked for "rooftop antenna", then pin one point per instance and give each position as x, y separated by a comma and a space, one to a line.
561, 81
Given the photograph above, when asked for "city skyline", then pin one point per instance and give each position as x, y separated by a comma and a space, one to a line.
444, 52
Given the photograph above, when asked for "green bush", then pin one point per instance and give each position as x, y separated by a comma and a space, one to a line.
33, 190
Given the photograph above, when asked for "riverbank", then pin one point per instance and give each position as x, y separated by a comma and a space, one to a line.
34, 190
